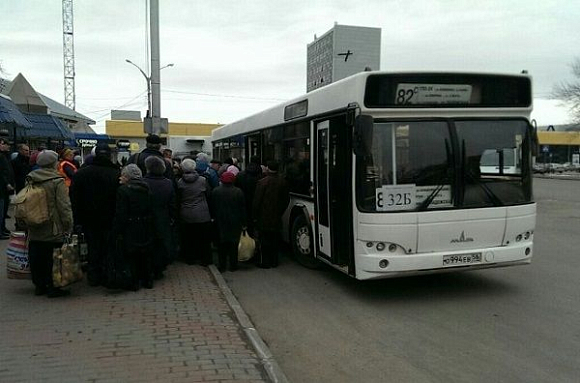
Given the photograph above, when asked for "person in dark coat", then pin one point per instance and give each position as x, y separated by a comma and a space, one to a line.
93, 194
164, 209
270, 202
153, 148
21, 166
8, 174
134, 226
229, 211
247, 180
194, 216
4, 188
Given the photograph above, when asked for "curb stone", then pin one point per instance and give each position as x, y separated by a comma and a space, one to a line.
274, 371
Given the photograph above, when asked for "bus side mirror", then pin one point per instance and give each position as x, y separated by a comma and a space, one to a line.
363, 133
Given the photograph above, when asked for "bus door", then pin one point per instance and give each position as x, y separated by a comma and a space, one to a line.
333, 186
253, 146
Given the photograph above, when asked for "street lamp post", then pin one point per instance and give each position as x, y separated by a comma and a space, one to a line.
148, 79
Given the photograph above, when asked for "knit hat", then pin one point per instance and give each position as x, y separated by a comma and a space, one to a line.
228, 178
132, 172
233, 169
46, 158
188, 165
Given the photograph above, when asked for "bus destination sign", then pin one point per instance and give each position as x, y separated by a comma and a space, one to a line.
432, 94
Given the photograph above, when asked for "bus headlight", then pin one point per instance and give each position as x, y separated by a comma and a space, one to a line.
527, 235
381, 246
519, 238
383, 263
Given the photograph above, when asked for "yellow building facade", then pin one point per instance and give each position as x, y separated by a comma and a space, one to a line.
558, 147
118, 129
182, 137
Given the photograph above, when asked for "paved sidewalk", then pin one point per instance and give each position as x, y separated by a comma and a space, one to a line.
183, 330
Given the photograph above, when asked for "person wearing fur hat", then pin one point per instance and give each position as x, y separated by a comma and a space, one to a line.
94, 208
50, 235
229, 211
133, 228
163, 207
66, 166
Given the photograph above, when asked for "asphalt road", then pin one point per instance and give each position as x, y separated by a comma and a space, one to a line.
519, 324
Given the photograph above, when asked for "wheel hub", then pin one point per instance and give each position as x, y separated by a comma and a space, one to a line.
303, 240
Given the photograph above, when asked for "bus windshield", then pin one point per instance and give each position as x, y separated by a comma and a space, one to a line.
442, 164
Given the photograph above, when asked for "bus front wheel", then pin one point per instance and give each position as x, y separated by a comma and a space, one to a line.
302, 243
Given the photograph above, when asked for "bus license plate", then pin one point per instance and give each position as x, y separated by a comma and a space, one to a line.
461, 259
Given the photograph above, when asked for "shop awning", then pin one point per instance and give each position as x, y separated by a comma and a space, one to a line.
47, 126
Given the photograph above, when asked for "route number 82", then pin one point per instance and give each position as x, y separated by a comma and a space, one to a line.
404, 96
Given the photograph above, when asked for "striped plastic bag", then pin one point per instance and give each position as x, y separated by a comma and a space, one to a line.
17, 263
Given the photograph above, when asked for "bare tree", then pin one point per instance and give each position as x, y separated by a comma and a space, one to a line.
569, 92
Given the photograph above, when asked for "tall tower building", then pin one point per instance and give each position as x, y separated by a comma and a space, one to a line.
341, 52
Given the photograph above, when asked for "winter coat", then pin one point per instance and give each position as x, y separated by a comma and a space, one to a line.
139, 160
270, 202
21, 166
247, 180
192, 195
134, 220
163, 207
229, 211
93, 194
5, 169
59, 207
204, 170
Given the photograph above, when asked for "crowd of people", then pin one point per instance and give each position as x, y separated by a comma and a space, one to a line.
139, 218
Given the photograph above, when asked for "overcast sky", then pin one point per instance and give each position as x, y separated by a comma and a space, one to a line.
235, 58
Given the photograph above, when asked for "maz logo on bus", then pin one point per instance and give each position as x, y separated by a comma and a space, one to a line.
462, 238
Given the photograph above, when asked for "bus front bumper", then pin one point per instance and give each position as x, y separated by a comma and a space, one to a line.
385, 265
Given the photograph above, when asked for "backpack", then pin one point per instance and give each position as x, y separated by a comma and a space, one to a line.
31, 204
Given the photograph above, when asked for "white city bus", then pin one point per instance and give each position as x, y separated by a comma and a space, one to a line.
385, 171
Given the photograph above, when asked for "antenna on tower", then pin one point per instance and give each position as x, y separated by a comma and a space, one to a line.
68, 50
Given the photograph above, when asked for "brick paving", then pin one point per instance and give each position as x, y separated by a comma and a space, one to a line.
183, 330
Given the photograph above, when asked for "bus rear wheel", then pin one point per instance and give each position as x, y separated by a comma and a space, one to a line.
302, 243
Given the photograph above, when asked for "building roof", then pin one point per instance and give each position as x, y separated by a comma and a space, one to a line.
10, 115
40, 100
64, 112
47, 126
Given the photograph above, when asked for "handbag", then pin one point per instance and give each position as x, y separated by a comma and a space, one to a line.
246, 247
17, 263
66, 267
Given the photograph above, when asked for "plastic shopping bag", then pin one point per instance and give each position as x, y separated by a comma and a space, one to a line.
246, 247
17, 264
66, 267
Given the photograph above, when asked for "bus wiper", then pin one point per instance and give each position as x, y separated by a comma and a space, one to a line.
488, 192
425, 204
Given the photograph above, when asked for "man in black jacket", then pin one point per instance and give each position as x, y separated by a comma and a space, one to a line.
6, 187
93, 196
21, 166
270, 201
153, 148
